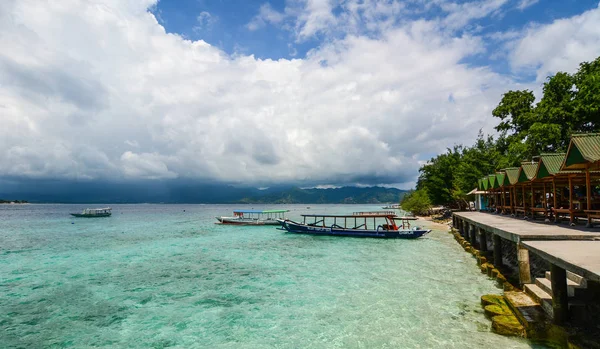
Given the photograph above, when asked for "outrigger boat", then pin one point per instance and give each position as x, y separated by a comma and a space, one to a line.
358, 224
254, 217
94, 212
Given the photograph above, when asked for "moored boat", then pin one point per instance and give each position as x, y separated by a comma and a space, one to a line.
391, 207
254, 217
94, 212
360, 224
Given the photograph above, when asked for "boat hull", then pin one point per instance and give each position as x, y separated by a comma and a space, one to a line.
80, 215
299, 228
246, 221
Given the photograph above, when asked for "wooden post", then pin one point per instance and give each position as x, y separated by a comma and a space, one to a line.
588, 193
510, 198
560, 302
532, 195
554, 192
482, 240
523, 194
497, 251
571, 201
554, 198
545, 202
524, 269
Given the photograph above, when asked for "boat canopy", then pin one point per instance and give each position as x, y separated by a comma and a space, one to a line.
260, 211
367, 215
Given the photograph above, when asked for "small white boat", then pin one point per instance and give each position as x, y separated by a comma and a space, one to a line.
391, 207
254, 217
94, 212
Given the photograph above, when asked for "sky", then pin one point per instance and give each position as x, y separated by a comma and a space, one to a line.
302, 92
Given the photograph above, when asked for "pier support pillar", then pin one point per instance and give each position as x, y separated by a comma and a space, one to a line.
482, 240
497, 251
524, 268
454, 222
473, 236
463, 226
560, 302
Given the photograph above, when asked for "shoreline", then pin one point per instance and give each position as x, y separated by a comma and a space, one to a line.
435, 224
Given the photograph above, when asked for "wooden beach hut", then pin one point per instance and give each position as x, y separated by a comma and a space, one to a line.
564, 185
583, 155
539, 193
512, 178
493, 187
502, 187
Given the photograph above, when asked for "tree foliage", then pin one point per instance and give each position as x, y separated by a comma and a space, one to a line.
570, 103
416, 202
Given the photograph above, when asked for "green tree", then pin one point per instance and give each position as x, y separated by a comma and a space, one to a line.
437, 175
417, 202
587, 99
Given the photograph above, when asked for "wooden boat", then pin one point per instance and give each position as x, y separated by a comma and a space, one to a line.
254, 217
94, 212
360, 224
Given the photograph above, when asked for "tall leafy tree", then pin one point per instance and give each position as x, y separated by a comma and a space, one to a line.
569, 104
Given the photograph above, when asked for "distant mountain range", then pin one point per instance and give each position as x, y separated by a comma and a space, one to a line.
178, 192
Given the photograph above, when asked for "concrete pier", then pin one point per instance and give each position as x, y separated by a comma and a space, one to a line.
572, 254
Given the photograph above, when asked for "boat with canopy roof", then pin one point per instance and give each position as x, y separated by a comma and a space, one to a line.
94, 212
376, 224
254, 217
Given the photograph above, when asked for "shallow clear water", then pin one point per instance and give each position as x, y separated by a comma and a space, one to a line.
166, 276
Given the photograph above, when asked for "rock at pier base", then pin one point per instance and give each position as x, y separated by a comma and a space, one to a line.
496, 309
490, 299
507, 325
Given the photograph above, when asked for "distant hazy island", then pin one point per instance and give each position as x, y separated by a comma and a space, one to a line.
195, 193
2, 201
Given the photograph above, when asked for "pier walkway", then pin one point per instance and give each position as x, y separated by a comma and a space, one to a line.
515, 229
573, 254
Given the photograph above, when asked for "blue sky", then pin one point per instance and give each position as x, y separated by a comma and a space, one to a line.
301, 92
225, 24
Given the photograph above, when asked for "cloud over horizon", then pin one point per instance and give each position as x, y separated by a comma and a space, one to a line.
99, 90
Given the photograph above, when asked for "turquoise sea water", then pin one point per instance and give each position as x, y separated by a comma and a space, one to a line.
158, 276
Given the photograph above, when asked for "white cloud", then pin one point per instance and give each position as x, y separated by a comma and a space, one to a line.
266, 14
523, 4
100, 90
560, 45
460, 14
205, 22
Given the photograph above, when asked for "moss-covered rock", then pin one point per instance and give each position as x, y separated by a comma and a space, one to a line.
491, 299
483, 268
481, 260
507, 325
496, 309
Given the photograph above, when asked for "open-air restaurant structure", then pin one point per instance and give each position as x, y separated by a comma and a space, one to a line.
548, 270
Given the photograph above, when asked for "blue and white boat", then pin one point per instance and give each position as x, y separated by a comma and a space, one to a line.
254, 217
360, 224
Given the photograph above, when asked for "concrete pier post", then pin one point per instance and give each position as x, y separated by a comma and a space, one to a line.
524, 268
560, 302
482, 240
473, 236
497, 251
